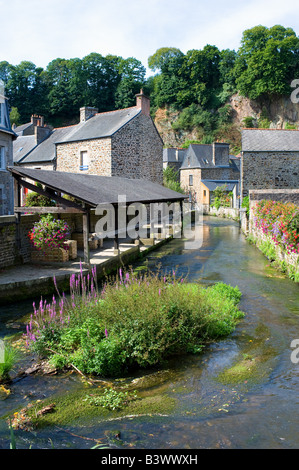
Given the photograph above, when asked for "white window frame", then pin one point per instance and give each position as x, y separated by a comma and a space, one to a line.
82, 166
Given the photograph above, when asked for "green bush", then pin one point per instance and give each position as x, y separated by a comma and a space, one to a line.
136, 322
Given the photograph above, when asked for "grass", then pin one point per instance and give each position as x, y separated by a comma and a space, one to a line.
8, 358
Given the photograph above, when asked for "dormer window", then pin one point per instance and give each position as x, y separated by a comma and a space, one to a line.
84, 160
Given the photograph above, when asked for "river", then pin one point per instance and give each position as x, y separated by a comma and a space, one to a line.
255, 410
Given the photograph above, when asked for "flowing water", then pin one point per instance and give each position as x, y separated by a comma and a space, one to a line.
214, 406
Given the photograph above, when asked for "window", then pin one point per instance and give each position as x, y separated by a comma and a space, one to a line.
1, 113
2, 158
204, 193
190, 180
84, 160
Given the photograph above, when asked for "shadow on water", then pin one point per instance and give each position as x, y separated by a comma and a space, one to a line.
241, 392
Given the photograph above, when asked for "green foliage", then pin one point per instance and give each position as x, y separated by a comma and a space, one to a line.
290, 126
267, 61
112, 399
248, 122
10, 357
171, 179
162, 56
34, 199
221, 197
245, 204
135, 322
268, 249
14, 116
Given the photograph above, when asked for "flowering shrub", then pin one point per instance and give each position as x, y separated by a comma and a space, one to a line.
49, 233
134, 321
280, 221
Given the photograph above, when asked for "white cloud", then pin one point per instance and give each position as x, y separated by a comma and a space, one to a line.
42, 31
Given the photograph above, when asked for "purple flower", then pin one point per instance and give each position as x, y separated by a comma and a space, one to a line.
106, 332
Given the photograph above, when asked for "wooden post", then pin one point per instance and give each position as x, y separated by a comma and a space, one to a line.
17, 202
182, 218
86, 236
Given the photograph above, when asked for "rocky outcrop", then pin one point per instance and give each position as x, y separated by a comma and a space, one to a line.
279, 111
276, 113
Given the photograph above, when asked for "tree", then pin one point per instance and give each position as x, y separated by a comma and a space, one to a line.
268, 60
132, 74
26, 89
15, 117
162, 56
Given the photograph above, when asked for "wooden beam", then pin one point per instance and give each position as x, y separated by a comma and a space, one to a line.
42, 192
46, 210
17, 199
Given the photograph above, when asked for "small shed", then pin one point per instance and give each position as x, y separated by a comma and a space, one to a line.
90, 191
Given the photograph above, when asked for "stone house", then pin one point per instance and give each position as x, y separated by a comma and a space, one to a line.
122, 143
7, 136
206, 166
269, 159
173, 157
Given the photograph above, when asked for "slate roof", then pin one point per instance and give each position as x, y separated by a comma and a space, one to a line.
201, 155
22, 146
99, 126
20, 129
173, 155
5, 126
95, 190
213, 184
270, 140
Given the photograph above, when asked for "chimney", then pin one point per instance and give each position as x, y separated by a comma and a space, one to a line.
143, 102
87, 112
41, 131
37, 120
220, 153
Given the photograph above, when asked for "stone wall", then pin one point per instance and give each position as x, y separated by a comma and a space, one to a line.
6, 180
225, 212
195, 189
269, 170
11, 254
279, 195
137, 151
99, 155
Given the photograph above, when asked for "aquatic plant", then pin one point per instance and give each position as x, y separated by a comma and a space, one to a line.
133, 321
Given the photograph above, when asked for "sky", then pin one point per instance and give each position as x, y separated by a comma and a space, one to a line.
41, 31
